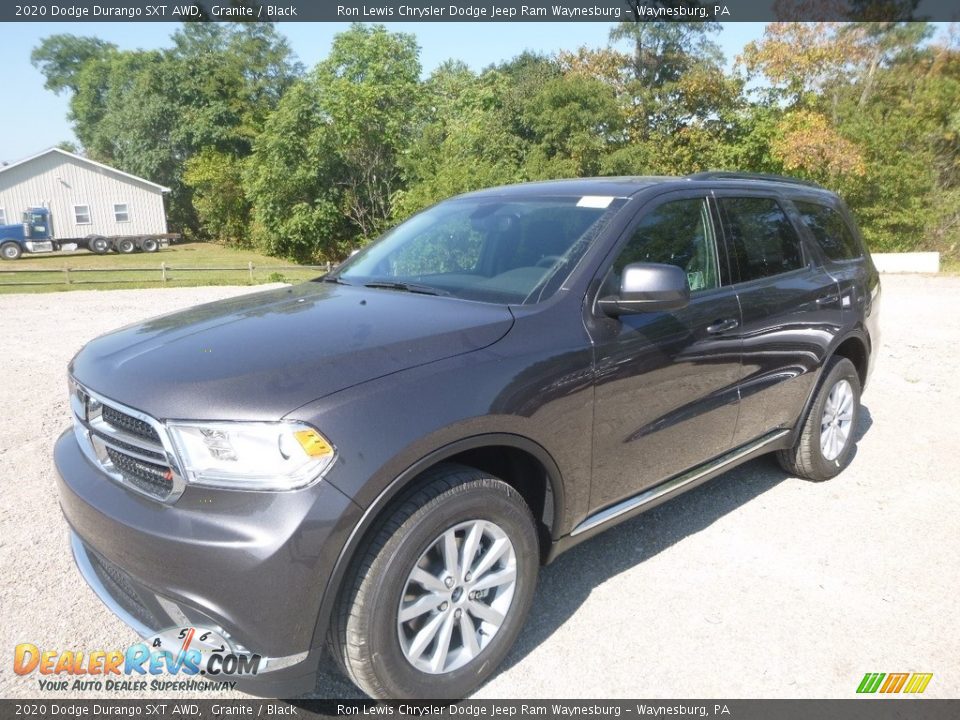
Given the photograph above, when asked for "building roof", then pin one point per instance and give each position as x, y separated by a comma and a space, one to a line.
88, 161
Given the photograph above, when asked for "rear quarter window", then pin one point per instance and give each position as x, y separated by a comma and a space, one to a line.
829, 229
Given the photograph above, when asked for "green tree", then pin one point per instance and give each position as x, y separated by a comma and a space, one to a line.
663, 51
460, 142
61, 57
151, 112
219, 198
866, 109
327, 164
296, 207
679, 104
368, 86
573, 120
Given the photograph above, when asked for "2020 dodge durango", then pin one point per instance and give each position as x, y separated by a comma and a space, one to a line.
374, 464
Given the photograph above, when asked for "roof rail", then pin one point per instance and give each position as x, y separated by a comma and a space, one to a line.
728, 175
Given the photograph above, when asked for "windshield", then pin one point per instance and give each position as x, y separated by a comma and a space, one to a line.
503, 250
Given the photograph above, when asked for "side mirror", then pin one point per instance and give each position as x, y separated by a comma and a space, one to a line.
648, 287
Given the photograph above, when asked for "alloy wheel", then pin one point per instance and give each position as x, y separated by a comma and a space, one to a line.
457, 596
837, 420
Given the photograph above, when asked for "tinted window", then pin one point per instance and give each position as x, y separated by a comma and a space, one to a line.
675, 233
830, 230
762, 240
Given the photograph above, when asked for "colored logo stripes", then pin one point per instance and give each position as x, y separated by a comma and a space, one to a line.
914, 683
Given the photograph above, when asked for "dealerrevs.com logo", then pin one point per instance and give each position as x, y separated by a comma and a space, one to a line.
183, 652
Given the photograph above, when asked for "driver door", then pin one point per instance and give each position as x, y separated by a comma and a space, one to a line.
666, 395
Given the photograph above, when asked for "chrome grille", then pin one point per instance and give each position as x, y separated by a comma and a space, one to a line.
129, 446
122, 421
156, 480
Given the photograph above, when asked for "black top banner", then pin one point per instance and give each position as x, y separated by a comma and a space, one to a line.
479, 10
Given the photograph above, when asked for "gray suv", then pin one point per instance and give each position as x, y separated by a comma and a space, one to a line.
375, 464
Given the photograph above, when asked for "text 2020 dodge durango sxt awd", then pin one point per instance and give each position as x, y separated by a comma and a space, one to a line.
375, 464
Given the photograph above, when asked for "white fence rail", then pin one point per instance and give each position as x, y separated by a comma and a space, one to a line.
69, 275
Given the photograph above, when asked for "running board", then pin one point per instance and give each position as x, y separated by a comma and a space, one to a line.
648, 496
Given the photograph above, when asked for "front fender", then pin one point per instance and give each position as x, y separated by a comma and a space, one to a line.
389, 430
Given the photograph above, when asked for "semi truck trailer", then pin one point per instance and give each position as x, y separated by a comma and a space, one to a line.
34, 235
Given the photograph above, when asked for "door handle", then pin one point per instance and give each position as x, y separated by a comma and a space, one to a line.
828, 299
722, 326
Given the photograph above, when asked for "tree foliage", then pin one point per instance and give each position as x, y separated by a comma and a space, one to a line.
151, 113
327, 164
312, 165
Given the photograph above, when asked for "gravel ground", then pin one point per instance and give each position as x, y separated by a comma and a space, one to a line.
754, 585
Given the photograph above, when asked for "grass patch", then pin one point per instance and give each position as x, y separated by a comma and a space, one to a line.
142, 270
950, 265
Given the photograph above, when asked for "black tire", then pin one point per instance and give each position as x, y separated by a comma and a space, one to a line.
10, 251
806, 459
150, 245
98, 245
364, 634
125, 246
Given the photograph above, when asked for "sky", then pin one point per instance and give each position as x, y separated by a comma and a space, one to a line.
34, 118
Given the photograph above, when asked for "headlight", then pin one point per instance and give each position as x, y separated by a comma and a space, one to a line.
251, 456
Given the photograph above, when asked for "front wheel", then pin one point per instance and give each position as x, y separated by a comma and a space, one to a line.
442, 591
10, 251
826, 442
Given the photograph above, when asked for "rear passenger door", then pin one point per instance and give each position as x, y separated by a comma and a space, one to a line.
790, 307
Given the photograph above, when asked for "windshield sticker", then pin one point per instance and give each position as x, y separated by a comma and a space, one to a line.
595, 201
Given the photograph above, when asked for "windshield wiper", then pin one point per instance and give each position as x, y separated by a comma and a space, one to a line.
405, 287
333, 279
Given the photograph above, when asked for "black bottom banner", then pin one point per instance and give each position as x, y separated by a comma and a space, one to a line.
854, 709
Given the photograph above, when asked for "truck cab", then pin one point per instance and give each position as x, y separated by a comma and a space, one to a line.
32, 235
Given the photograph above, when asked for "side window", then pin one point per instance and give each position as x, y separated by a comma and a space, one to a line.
830, 230
676, 233
81, 214
762, 240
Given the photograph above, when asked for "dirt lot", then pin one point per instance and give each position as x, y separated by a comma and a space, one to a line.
754, 585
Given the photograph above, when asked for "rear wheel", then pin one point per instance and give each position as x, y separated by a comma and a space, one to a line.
126, 246
10, 251
98, 245
150, 245
439, 596
826, 442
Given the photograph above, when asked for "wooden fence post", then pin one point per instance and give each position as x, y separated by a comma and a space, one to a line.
163, 271
66, 272
250, 265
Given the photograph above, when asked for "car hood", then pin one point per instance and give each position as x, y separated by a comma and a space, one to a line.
258, 357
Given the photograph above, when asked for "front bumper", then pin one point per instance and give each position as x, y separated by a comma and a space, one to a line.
146, 612
251, 565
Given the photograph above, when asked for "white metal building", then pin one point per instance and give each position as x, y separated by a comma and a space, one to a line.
84, 197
